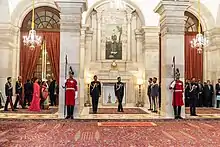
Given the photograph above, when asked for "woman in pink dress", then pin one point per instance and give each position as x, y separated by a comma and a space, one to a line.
35, 103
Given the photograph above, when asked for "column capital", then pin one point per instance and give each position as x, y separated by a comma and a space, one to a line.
213, 35
170, 22
72, 6
139, 34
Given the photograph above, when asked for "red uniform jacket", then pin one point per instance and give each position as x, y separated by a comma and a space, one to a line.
177, 86
71, 88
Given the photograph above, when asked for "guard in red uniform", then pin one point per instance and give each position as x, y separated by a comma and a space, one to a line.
71, 94
177, 87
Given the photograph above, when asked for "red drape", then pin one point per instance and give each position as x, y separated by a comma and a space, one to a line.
193, 60
28, 59
53, 50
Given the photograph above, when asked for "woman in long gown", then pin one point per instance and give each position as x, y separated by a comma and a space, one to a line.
35, 103
44, 90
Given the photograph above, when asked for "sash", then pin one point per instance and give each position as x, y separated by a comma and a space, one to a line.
118, 87
218, 97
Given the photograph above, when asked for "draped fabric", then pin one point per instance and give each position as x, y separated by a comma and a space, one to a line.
53, 50
193, 60
28, 59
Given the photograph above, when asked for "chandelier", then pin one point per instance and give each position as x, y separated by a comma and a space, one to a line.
117, 4
32, 40
199, 42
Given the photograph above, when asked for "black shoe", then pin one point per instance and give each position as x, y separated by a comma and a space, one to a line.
67, 117
179, 117
176, 117
150, 109
122, 110
94, 112
71, 117
14, 110
155, 111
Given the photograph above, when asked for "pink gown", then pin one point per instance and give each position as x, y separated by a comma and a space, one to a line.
35, 103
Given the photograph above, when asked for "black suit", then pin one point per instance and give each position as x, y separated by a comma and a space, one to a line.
28, 91
18, 91
193, 98
95, 92
200, 95
217, 88
187, 94
119, 93
149, 96
52, 93
208, 94
9, 94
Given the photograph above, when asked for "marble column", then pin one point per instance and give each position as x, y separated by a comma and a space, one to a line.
172, 32
94, 40
134, 43
129, 16
139, 34
70, 24
99, 20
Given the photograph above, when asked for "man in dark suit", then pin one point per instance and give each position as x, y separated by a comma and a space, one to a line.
119, 93
28, 91
148, 93
95, 92
187, 93
18, 92
52, 91
9, 94
193, 97
155, 94
200, 94
217, 88
208, 94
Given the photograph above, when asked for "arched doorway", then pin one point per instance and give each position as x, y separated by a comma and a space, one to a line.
193, 59
43, 60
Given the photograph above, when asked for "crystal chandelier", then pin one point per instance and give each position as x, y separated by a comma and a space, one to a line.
117, 4
32, 40
199, 42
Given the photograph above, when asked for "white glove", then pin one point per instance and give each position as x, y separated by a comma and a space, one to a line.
76, 94
173, 84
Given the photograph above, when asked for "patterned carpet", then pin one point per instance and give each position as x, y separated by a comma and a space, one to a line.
204, 111
57, 133
26, 111
114, 111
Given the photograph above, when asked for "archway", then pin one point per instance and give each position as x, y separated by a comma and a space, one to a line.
193, 59
34, 63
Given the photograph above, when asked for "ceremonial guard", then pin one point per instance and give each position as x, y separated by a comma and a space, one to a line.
193, 97
177, 87
95, 92
149, 93
18, 92
119, 93
9, 94
71, 94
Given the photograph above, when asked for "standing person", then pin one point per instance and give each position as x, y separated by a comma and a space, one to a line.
9, 94
119, 93
28, 92
217, 88
149, 93
155, 94
18, 92
95, 92
193, 97
200, 94
44, 100
187, 93
35, 103
208, 94
52, 91
71, 94
177, 87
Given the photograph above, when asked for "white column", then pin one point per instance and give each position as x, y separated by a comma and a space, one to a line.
70, 20
99, 20
172, 31
94, 40
128, 50
139, 38
133, 48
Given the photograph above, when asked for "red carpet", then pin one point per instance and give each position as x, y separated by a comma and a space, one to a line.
26, 111
58, 133
204, 111
114, 111
126, 124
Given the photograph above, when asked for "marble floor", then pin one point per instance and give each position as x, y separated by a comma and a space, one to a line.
85, 115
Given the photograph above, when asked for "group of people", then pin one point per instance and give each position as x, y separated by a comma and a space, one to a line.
34, 93
154, 95
71, 94
204, 92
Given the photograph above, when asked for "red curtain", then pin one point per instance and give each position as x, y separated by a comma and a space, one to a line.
53, 50
28, 59
193, 60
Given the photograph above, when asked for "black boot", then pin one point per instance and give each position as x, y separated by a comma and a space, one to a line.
175, 112
179, 112
71, 112
68, 112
